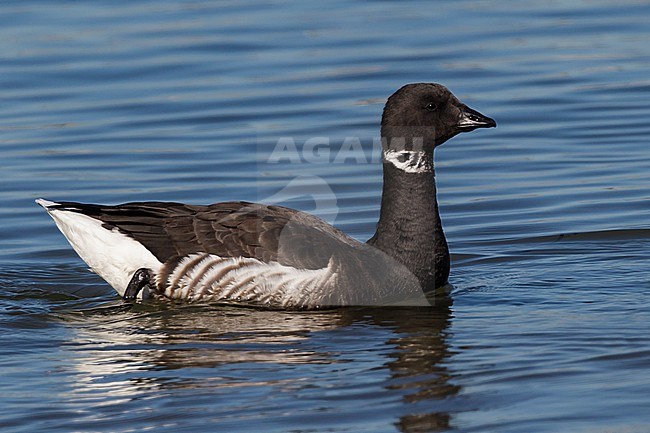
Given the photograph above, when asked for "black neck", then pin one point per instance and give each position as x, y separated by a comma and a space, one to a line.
409, 227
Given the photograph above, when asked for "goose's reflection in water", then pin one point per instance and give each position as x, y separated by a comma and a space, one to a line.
301, 369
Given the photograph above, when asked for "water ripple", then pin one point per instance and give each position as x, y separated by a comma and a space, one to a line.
546, 215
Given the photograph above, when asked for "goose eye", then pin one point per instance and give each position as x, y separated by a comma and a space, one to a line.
432, 106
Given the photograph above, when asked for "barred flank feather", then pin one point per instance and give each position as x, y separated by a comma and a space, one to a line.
206, 277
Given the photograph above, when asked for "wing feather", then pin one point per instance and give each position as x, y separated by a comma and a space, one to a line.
230, 229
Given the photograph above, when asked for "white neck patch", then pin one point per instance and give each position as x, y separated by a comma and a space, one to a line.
410, 161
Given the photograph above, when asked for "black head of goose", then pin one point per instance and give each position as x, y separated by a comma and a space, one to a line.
255, 254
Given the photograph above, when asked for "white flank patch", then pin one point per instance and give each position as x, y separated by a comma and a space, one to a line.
109, 253
241, 279
409, 161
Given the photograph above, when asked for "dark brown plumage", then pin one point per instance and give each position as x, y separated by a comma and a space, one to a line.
228, 229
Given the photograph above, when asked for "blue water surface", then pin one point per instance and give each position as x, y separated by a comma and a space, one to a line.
547, 216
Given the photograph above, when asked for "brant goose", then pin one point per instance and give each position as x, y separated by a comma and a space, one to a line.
255, 254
